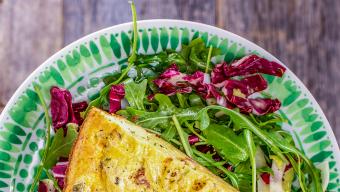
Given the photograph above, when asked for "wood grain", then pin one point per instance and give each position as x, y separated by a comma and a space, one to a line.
30, 32
301, 33
82, 17
86, 16
304, 34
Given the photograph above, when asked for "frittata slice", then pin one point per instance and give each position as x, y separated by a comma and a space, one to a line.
113, 154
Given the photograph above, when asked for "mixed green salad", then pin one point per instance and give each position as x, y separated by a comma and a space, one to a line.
217, 114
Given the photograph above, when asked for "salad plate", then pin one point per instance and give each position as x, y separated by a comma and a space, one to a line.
81, 66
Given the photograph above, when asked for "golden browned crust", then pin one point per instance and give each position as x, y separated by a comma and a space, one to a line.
149, 163
91, 113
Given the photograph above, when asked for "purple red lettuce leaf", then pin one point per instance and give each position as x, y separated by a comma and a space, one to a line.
254, 64
62, 109
171, 82
237, 92
222, 88
46, 185
205, 148
248, 65
59, 172
77, 109
193, 139
217, 74
244, 87
263, 106
117, 93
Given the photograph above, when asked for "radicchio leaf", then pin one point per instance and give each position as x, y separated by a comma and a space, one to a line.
59, 172
172, 71
77, 109
171, 82
193, 139
254, 64
217, 74
217, 157
46, 185
205, 148
263, 106
117, 93
196, 79
237, 92
248, 65
199, 82
244, 87
61, 107
196, 82
151, 97
265, 178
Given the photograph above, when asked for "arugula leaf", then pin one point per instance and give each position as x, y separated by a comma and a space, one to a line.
243, 167
241, 121
183, 137
208, 59
204, 120
159, 118
169, 133
229, 145
156, 61
196, 53
265, 170
207, 159
276, 144
182, 100
315, 174
162, 116
160, 61
135, 93
111, 77
244, 181
195, 100
61, 146
251, 148
147, 119
154, 119
178, 59
165, 103
187, 114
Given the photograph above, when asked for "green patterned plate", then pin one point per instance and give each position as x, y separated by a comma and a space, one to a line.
80, 67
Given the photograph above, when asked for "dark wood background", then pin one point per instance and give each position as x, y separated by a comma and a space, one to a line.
304, 34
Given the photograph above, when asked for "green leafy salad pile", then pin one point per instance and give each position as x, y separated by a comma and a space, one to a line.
206, 110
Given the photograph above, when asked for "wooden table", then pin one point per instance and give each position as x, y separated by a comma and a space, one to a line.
304, 34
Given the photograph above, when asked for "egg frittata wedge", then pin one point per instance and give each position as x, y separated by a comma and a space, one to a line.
113, 154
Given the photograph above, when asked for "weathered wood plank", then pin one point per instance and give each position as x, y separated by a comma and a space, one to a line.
85, 16
194, 10
307, 40
303, 34
82, 17
30, 32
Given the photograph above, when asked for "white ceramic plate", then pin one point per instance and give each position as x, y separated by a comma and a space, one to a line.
80, 67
